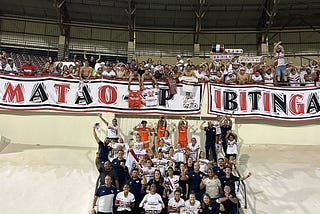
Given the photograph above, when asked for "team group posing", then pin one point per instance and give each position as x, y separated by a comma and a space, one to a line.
168, 177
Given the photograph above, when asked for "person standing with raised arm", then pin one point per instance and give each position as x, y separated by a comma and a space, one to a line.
279, 63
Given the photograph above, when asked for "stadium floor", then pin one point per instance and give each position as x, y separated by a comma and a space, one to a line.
58, 180
285, 178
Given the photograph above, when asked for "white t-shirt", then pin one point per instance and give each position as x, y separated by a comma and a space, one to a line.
256, 78
161, 163
113, 154
166, 141
163, 148
138, 146
148, 173
112, 131
302, 73
193, 150
203, 164
13, 69
268, 78
232, 147
173, 203
151, 202
125, 201
192, 207
212, 186
249, 71
280, 58
105, 203
180, 155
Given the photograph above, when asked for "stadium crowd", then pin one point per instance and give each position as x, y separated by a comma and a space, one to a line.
154, 174
218, 71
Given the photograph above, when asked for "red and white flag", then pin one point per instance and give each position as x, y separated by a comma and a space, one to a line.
132, 161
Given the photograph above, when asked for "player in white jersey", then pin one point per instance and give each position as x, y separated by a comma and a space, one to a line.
192, 205
193, 148
124, 200
176, 203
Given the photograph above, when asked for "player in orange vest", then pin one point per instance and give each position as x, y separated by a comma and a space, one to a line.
144, 132
161, 127
183, 132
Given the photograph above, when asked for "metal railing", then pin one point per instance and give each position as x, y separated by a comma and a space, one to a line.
242, 189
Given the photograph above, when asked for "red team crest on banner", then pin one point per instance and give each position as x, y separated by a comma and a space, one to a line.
134, 99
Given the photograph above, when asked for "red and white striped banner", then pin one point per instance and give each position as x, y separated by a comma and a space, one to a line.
280, 103
50, 93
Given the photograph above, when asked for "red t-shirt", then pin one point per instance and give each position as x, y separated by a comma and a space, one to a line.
28, 69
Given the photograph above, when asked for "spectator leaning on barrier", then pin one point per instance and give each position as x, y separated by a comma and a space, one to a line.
229, 179
242, 76
134, 75
11, 68
28, 68
309, 77
85, 71
148, 75
317, 77
294, 77
268, 76
46, 69
256, 77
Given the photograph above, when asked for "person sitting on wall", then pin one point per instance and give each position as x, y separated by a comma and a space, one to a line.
148, 75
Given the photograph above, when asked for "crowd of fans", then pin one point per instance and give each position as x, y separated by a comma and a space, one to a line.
217, 71
155, 174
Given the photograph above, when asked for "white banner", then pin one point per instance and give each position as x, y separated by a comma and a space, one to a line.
234, 51
251, 59
287, 103
50, 93
220, 57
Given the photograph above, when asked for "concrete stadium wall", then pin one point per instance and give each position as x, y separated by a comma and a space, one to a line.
262, 131
75, 129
